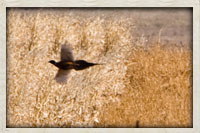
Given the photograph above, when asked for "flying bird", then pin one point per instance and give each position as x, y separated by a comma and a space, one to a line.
68, 63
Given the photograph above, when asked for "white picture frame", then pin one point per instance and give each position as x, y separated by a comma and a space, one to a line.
99, 3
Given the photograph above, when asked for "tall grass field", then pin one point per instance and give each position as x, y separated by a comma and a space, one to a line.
146, 79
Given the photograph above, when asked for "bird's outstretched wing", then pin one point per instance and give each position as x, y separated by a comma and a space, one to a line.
66, 53
61, 76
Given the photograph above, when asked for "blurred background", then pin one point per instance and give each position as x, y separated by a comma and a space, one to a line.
146, 80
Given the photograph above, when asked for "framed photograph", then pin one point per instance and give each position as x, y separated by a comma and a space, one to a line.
99, 66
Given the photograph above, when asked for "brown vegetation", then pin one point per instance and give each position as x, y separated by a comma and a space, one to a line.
151, 85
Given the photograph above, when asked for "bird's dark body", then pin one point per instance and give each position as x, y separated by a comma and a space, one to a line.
81, 64
67, 63
77, 65
64, 65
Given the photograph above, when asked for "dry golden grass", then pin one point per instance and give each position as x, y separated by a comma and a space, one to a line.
159, 93
152, 85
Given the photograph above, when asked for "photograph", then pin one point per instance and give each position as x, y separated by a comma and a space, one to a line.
98, 67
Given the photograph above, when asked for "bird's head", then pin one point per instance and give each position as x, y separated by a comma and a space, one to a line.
52, 62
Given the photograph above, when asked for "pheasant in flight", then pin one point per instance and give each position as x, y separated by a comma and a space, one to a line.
67, 63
